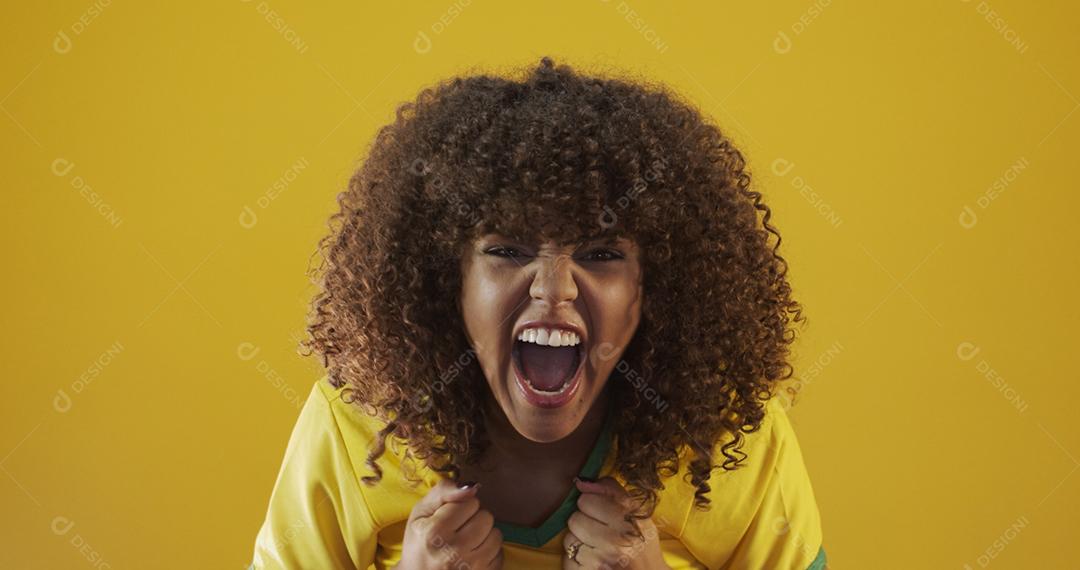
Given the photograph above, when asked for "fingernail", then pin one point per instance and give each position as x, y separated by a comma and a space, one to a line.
467, 485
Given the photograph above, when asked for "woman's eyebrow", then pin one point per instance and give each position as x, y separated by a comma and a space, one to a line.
609, 241
602, 241
489, 238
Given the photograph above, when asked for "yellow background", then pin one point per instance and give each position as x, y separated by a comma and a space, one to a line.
938, 413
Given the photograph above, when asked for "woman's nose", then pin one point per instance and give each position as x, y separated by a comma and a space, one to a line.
554, 280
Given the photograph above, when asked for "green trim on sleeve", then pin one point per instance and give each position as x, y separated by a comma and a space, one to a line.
550, 528
819, 562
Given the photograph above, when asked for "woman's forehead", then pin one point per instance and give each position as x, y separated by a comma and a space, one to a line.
624, 241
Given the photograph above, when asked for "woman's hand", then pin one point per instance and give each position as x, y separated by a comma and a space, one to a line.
608, 539
446, 528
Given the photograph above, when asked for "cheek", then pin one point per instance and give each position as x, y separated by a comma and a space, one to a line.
620, 306
615, 307
486, 304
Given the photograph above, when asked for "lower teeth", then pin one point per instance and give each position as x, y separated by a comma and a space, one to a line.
561, 389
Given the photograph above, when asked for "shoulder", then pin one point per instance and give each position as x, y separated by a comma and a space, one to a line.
766, 505
772, 450
358, 432
335, 415
355, 427
328, 436
762, 447
317, 515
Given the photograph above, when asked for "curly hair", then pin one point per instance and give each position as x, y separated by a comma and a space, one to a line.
570, 157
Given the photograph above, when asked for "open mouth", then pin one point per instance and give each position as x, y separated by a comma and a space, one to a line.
547, 375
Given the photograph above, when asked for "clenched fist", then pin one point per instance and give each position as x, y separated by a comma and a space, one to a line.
603, 536
447, 528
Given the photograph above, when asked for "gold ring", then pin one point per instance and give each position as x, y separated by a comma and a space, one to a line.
572, 550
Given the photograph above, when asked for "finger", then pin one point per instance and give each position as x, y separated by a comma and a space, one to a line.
590, 557
488, 549
602, 508
593, 556
451, 517
615, 515
606, 486
587, 556
445, 491
475, 530
595, 533
570, 539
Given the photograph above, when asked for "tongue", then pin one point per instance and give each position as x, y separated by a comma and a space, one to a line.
546, 367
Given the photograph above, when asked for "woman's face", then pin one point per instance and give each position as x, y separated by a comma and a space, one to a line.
516, 295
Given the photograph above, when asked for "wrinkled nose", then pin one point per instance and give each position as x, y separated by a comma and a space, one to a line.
554, 281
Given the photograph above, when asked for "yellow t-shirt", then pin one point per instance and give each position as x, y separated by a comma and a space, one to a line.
762, 515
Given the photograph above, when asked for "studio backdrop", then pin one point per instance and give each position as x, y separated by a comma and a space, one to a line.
170, 169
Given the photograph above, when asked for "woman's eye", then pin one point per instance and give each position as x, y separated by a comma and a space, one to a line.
503, 251
594, 255
603, 255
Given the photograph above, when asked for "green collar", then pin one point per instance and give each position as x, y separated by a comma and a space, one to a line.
550, 528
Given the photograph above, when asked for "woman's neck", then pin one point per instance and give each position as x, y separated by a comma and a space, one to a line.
510, 447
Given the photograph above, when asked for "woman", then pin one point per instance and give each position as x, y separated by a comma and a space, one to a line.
549, 311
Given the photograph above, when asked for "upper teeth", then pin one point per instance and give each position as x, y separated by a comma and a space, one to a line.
549, 337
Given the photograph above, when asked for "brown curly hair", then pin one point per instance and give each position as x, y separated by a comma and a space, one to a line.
570, 157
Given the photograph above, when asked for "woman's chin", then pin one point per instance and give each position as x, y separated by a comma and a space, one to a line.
541, 430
